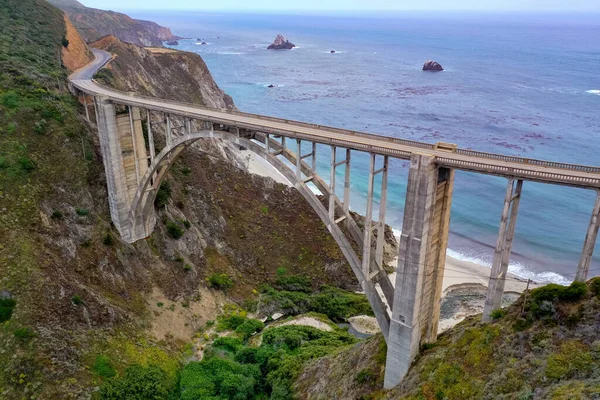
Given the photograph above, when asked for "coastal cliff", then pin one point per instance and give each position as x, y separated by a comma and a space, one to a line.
77, 305
93, 24
167, 74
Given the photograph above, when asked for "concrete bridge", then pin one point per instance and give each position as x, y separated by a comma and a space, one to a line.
407, 312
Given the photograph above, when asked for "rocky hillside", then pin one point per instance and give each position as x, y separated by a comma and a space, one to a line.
94, 24
168, 74
77, 305
544, 346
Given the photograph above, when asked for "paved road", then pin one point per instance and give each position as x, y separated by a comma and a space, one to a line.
494, 164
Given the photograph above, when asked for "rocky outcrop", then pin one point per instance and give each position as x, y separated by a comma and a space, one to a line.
175, 75
432, 66
76, 54
94, 24
173, 43
281, 43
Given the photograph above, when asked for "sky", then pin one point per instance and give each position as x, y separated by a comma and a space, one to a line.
352, 5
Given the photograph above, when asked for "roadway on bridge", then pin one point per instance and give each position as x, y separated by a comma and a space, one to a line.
82, 79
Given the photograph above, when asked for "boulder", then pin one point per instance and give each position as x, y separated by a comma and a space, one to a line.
281, 43
271, 86
203, 43
173, 43
432, 66
332, 51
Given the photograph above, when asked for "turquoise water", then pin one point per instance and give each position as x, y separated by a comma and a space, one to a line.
525, 85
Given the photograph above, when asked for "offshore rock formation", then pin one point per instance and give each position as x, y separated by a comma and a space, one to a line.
432, 66
173, 43
93, 24
281, 43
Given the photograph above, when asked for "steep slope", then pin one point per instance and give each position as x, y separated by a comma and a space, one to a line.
76, 53
77, 305
545, 346
94, 24
161, 74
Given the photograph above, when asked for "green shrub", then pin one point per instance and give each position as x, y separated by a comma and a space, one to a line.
294, 283
574, 291
108, 239
220, 281
187, 224
249, 328
6, 309
82, 212
228, 343
65, 42
497, 313
366, 376
174, 230
187, 267
160, 304
40, 127
230, 322
26, 164
553, 292
137, 383
77, 300
163, 194
24, 333
595, 286
573, 360
103, 367
56, 214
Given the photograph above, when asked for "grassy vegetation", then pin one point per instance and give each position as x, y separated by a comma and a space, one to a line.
220, 281
336, 304
548, 345
6, 309
233, 370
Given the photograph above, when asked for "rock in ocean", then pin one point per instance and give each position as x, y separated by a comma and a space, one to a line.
432, 66
281, 43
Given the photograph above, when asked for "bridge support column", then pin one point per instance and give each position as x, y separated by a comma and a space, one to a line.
422, 255
508, 222
121, 138
590, 241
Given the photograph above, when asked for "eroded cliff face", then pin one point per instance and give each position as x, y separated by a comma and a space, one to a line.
162, 73
94, 24
76, 54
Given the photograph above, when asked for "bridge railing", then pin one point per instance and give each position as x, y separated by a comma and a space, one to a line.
529, 161
385, 150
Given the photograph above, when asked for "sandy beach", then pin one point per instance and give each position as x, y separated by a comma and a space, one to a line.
465, 282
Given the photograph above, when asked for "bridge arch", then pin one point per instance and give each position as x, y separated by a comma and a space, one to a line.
142, 210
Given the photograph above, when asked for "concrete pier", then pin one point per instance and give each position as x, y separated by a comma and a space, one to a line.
422, 252
508, 223
590, 241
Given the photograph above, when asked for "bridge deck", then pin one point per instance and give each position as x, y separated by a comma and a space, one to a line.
488, 163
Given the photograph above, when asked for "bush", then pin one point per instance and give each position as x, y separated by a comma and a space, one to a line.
77, 300
553, 292
232, 321
26, 164
498, 313
65, 41
187, 267
82, 212
367, 376
137, 383
294, 283
108, 240
595, 286
24, 333
56, 214
6, 309
40, 127
163, 194
220, 281
187, 224
573, 360
103, 367
174, 230
249, 328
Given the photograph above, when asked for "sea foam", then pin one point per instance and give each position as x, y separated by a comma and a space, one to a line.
593, 92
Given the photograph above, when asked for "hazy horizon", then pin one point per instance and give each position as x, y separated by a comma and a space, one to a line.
374, 6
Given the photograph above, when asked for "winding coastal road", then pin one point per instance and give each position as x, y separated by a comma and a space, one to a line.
448, 156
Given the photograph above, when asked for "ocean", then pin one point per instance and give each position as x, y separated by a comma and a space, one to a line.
523, 84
